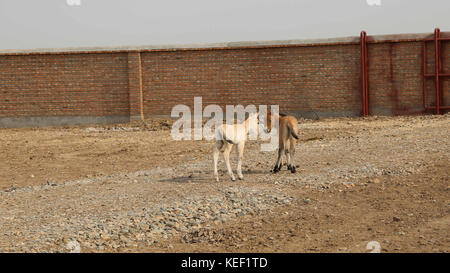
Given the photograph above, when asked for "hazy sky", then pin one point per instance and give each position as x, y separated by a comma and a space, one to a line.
26, 24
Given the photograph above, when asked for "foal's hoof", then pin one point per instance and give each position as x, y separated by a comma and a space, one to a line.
293, 169
289, 167
241, 178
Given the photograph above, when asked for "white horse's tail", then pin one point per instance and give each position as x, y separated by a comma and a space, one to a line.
221, 136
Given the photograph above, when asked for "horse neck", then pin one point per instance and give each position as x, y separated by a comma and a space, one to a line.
246, 124
275, 115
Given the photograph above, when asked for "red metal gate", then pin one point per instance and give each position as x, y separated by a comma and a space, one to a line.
438, 73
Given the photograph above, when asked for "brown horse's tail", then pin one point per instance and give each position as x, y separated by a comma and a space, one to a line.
292, 130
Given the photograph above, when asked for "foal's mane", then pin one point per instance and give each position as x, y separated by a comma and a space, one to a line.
280, 114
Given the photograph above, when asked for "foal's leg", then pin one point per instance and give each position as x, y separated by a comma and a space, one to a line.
226, 155
278, 163
288, 158
216, 151
292, 153
240, 150
287, 153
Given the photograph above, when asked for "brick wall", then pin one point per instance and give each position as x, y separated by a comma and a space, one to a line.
63, 85
299, 79
395, 78
307, 79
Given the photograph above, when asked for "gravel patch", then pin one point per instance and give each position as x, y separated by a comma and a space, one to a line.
126, 210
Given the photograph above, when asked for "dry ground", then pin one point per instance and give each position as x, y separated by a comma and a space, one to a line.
130, 187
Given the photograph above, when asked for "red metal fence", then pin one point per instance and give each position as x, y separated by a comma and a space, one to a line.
437, 75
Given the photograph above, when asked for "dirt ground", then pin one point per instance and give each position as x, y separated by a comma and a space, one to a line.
131, 188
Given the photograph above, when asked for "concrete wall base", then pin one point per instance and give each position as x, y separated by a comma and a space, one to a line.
17, 122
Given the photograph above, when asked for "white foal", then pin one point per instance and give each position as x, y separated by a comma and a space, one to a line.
228, 135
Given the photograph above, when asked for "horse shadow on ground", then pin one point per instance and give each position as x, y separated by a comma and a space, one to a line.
188, 179
208, 177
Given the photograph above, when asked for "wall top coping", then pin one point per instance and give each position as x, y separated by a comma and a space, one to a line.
227, 45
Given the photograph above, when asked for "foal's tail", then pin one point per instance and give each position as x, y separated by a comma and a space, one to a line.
223, 137
229, 141
292, 130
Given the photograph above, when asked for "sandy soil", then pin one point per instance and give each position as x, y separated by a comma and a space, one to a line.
131, 188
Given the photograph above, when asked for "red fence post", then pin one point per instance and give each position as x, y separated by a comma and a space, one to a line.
437, 36
364, 74
141, 94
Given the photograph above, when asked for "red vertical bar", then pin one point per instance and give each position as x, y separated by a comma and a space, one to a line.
366, 68
363, 72
437, 34
141, 95
424, 59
